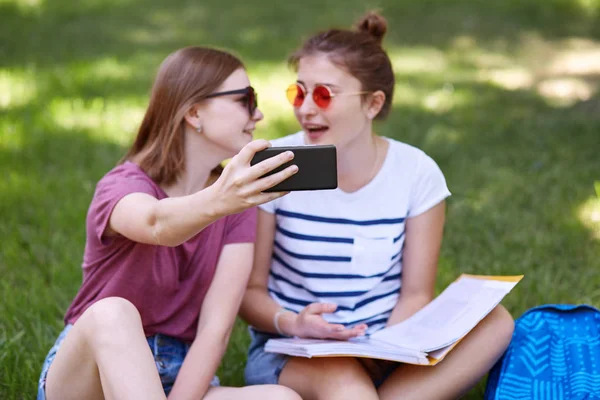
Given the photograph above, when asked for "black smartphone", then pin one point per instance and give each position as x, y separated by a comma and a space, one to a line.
317, 167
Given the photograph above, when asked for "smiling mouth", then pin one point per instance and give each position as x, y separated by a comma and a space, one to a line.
316, 129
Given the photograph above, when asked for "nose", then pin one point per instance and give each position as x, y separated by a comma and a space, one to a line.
258, 115
308, 106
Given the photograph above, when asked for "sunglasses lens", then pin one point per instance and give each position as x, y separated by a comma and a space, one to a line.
295, 95
252, 101
322, 96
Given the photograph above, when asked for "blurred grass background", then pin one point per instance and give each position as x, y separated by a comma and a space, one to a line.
503, 94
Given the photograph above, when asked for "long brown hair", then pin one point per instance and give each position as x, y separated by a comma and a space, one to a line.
360, 52
185, 78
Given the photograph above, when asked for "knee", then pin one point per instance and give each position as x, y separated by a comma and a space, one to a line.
109, 316
342, 375
502, 325
328, 378
278, 392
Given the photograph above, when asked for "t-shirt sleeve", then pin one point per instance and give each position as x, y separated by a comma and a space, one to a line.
109, 191
269, 207
429, 187
241, 228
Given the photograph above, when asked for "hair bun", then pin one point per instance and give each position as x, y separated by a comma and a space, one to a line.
373, 24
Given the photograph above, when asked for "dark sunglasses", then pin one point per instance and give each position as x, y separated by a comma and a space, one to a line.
249, 98
321, 95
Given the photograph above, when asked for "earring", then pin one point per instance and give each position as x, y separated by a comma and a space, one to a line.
199, 128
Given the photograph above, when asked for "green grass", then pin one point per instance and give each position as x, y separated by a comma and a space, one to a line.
502, 93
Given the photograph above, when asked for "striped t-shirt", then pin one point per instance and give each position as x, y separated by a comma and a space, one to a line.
346, 248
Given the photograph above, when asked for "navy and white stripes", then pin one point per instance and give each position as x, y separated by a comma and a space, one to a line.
346, 248
312, 263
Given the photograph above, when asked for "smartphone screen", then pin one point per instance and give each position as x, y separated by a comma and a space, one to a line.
317, 167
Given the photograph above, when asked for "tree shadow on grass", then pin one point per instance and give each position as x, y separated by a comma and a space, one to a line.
60, 32
518, 168
44, 199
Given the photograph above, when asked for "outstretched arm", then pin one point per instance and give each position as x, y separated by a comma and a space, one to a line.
170, 222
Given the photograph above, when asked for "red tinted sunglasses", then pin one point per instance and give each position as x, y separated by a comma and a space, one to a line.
321, 95
250, 99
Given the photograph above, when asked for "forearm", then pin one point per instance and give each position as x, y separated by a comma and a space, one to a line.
258, 310
199, 367
174, 220
215, 323
407, 305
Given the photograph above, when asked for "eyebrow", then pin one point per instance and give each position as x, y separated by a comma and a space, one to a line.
333, 85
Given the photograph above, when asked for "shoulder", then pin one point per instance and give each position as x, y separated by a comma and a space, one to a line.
409, 157
406, 151
124, 171
122, 180
127, 173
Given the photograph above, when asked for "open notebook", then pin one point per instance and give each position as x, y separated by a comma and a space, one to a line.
426, 337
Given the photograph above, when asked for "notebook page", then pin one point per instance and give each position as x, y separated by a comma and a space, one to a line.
449, 316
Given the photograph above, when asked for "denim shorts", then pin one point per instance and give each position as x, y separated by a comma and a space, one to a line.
262, 367
168, 353
265, 368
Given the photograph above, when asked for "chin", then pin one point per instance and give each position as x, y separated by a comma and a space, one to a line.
321, 140
237, 143
236, 149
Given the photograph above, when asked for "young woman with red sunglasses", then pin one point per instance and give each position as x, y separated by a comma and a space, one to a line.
338, 264
169, 245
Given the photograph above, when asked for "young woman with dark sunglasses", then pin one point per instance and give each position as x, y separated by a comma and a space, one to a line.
347, 262
169, 245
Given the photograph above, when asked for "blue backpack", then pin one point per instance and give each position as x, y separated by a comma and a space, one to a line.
554, 354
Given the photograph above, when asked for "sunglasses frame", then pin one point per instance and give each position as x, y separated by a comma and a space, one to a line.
247, 90
306, 93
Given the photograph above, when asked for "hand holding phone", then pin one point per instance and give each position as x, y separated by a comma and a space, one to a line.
241, 186
317, 167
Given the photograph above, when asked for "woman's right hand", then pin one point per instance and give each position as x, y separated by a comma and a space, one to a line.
240, 185
309, 323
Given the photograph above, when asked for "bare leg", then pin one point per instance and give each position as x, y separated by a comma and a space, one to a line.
105, 355
328, 378
472, 358
258, 392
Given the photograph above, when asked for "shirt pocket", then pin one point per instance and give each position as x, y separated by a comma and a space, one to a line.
372, 256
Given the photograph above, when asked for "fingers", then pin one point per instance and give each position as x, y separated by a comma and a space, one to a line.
320, 308
258, 188
346, 333
315, 326
248, 151
265, 166
272, 180
250, 175
262, 198
333, 331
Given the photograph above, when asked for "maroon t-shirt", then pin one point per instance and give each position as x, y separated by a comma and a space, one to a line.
166, 284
